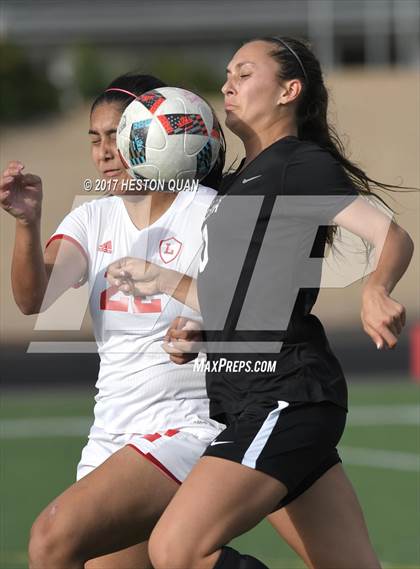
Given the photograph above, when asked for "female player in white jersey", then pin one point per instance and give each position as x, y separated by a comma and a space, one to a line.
151, 416
257, 285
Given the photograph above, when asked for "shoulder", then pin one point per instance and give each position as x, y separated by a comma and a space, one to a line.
310, 152
312, 169
203, 196
97, 207
88, 213
203, 191
310, 155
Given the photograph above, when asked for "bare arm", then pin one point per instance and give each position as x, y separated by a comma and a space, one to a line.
21, 197
181, 287
383, 318
29, 272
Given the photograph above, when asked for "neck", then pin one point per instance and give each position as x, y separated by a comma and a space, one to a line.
146, 208
256, 142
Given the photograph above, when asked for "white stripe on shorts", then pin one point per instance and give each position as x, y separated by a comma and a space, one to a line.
261, 438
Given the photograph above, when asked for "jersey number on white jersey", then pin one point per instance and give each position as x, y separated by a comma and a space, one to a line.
140, 305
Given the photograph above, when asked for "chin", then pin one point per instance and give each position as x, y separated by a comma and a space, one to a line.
235, 125
231, 121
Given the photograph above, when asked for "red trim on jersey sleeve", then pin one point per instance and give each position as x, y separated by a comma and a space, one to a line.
156, 463
79, 247
71, 240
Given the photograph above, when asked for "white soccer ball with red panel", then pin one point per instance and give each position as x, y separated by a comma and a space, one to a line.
168, 134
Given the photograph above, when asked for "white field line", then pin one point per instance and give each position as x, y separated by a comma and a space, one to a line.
376, 458
366, 415
40, 427
363, 415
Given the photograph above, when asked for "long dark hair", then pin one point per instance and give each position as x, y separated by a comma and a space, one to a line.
125, 88
297, 61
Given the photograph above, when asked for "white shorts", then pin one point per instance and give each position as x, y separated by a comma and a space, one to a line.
174, 452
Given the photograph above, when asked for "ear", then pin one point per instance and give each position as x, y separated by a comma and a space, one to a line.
290, 91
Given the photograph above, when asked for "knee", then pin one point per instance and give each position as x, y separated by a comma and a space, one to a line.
51, 543
170, 552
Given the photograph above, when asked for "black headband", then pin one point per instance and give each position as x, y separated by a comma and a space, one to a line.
292, 51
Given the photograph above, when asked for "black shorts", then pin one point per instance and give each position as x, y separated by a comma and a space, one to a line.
293, 442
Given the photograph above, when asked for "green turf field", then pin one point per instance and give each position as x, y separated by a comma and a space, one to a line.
380, 450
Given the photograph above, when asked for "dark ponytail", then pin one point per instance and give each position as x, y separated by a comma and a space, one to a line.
297, 61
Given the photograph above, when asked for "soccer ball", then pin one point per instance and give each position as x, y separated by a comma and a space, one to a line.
168, 134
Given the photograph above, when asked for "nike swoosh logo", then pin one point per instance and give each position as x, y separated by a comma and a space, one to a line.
246, 180
214, 443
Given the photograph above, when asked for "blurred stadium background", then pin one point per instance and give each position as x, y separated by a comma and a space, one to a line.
54, 58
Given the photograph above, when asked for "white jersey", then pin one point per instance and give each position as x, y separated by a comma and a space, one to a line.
140, 389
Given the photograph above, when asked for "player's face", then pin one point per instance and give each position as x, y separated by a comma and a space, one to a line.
252, 89
103, 130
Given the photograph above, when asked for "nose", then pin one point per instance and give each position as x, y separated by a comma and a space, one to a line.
106, 150
227, 88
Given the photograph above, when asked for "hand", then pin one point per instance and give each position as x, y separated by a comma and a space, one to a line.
135, 277
183, 340
21, 194
383, 318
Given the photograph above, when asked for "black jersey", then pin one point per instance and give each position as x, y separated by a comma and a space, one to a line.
259, 278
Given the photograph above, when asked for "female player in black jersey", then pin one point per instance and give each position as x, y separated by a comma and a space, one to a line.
256, 288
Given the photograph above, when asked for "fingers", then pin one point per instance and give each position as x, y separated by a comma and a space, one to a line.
16, 164
375, 336
184, 359
125, 286
382, 337
177, 334
383, 319
178, 322
5, 181
396, 326
116, 272
393, 324
183, 337
181, 347
390, 339
4, 199
190, 332
178, 357
125, 275
13, 168
176, 325
14, 172
396, 319
116, 281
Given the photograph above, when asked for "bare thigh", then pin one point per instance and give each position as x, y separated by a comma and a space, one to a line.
135, 557
219, 500
112, 508
326, 526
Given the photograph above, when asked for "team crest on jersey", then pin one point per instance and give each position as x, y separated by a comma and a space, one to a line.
169, 249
